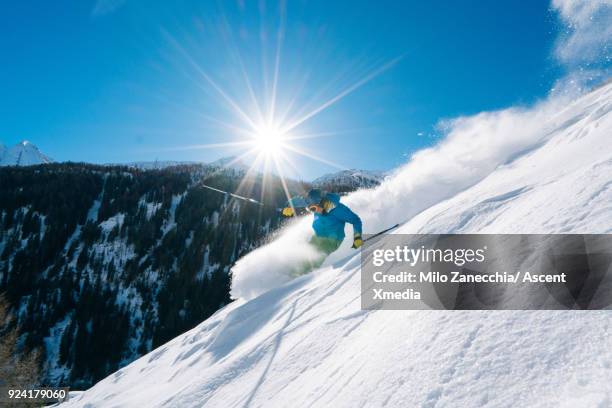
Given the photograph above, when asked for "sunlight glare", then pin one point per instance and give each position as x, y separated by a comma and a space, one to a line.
269, 139
270, 127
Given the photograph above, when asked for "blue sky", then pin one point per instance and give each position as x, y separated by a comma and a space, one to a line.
118, 81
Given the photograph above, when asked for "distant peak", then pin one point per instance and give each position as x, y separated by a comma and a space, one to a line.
23, 153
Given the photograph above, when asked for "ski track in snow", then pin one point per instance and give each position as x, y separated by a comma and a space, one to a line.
307, 343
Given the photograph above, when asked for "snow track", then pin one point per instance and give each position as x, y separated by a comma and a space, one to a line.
307, 343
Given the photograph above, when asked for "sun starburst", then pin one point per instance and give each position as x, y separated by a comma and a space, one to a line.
265, 126
270, 139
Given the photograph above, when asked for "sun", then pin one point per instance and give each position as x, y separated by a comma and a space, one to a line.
267, 121
269, 139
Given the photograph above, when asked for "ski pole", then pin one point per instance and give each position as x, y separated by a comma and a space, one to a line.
250, 200
381, 232
298, 211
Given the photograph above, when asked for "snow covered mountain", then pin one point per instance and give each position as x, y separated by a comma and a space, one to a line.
350, 180
22, 154
224, 162
155, 165
230, 162
306, 342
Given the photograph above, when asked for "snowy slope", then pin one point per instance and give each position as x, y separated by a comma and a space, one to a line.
22, 154
307, 343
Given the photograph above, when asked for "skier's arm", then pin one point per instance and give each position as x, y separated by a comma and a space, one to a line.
294, 206
345, 214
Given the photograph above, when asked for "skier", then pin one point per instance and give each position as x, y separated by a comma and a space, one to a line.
330, 216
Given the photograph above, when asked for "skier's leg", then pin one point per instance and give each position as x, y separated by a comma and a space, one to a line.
324, 247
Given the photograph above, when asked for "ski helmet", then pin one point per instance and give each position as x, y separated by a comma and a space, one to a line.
314, 196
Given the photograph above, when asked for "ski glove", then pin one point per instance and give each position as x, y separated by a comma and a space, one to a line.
288, 212
357, 241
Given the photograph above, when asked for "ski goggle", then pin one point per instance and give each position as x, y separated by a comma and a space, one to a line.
315, 208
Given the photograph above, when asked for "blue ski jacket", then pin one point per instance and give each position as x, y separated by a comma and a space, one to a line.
331, 224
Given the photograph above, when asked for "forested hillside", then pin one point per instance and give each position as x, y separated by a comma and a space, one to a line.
102, 264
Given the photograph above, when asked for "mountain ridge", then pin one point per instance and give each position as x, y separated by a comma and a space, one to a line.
349, 180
